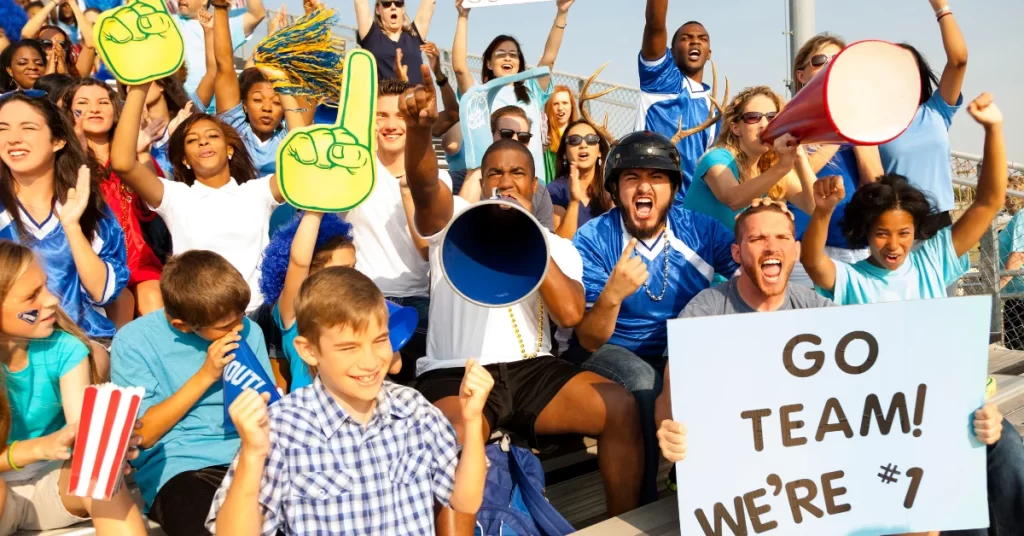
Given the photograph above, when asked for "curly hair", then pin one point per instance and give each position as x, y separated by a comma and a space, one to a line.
335, 233
890, 192
731, 142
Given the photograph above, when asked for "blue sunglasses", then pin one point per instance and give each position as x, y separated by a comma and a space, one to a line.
30, 93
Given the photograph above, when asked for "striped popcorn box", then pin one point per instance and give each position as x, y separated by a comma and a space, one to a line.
108, 418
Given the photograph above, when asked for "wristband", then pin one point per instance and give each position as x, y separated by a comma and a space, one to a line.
10, 459
297, 110
442, 81
944, 11
562, 27
943, 15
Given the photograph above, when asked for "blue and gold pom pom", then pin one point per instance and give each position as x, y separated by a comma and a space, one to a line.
308, 53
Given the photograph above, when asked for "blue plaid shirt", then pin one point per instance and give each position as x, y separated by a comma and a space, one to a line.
326, 474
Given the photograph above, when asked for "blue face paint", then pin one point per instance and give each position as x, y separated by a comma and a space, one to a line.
29, 317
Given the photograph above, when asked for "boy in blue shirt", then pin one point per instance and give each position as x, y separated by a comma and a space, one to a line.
350, 453
178, 355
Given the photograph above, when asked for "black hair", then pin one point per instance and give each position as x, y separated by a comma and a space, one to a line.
7, 82
675, 36
600, 199
890, 192
54, 84
247, 79
510, 145
929, 81
70, 55
486, 74
242, 168
390, 87
174, 94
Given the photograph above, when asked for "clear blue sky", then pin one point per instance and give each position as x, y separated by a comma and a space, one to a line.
748, 44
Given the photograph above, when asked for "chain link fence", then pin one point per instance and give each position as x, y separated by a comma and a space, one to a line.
987, 275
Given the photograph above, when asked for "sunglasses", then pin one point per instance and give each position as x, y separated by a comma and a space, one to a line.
396, 3
753, 118
818, 60
30, 93
576, 139
508, 134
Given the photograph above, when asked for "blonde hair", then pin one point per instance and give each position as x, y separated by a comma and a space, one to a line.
14, 260
407, 25
731, 142
803, 56
549, 110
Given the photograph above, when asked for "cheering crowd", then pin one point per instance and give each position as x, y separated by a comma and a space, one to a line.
145, 238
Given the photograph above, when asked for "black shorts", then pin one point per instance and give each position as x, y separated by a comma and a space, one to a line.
521, 391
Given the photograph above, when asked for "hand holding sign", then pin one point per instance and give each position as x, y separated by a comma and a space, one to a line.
249, 414
139, 42
672, 440
333, 169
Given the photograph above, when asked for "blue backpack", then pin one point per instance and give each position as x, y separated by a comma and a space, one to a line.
514, 502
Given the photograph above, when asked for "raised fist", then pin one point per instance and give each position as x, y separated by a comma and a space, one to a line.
139, 42
829, 192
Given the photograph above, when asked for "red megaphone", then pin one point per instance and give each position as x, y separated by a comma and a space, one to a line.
868, 95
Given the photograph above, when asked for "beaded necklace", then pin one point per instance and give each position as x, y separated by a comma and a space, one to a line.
540, 331
647, 289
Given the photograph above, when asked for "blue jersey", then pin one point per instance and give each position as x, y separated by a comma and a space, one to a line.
666, 96
698, 247
843, 164
50, 245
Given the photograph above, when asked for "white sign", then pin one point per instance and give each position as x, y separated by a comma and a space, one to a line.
843, 420
471, 4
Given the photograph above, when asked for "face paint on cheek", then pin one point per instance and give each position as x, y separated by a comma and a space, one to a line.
29, 317
78, 113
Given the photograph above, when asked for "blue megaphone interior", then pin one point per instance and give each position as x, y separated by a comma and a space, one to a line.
402, 323
494, 256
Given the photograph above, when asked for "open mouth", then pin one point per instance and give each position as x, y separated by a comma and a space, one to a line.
506, 68
17, 154
643, 206
694, 54
892, 258
583, 155
771, 269
394, 17
366, 380
393, 136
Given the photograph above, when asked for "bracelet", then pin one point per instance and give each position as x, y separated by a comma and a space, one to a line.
562, 27
297, 110
944, 11
943, 15
442, 81
10, 460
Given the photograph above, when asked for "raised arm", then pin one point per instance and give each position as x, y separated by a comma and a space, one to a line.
869, 163
828, 192
34, 25
226, 83
952, 79
450, 116
800, 183
423, 16
991, 193
655, 32
206, 87
254, 14
433, 200
124, 149
554, 42
87, 54
364, 17
460, 50
301, 256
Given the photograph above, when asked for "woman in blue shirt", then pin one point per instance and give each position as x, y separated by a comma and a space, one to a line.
46, 202
857, 165
504, 57
578, 195
889, 216
921, 153
740, 167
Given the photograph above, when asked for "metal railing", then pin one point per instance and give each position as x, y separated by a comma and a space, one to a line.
986, 271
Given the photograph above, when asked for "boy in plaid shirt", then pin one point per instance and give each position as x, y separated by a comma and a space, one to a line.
349, 454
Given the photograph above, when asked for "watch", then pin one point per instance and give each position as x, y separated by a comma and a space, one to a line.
442, 81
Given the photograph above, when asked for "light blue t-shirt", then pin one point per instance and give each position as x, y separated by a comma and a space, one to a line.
148, 352
34, 391
195, 45
931, 267
263, 153
1011, 240
921, 153
298, 367
700, 198
538, 97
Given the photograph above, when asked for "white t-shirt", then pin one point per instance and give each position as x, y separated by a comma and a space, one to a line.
460, 330
232, 221
385, 251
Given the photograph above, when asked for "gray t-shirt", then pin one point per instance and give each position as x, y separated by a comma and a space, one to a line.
725, 300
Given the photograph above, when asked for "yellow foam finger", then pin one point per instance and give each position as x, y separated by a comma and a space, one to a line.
139, 42
358, 102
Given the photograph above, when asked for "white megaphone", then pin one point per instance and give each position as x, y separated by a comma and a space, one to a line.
495, 253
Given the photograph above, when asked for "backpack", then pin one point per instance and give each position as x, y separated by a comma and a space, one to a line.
514, 502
